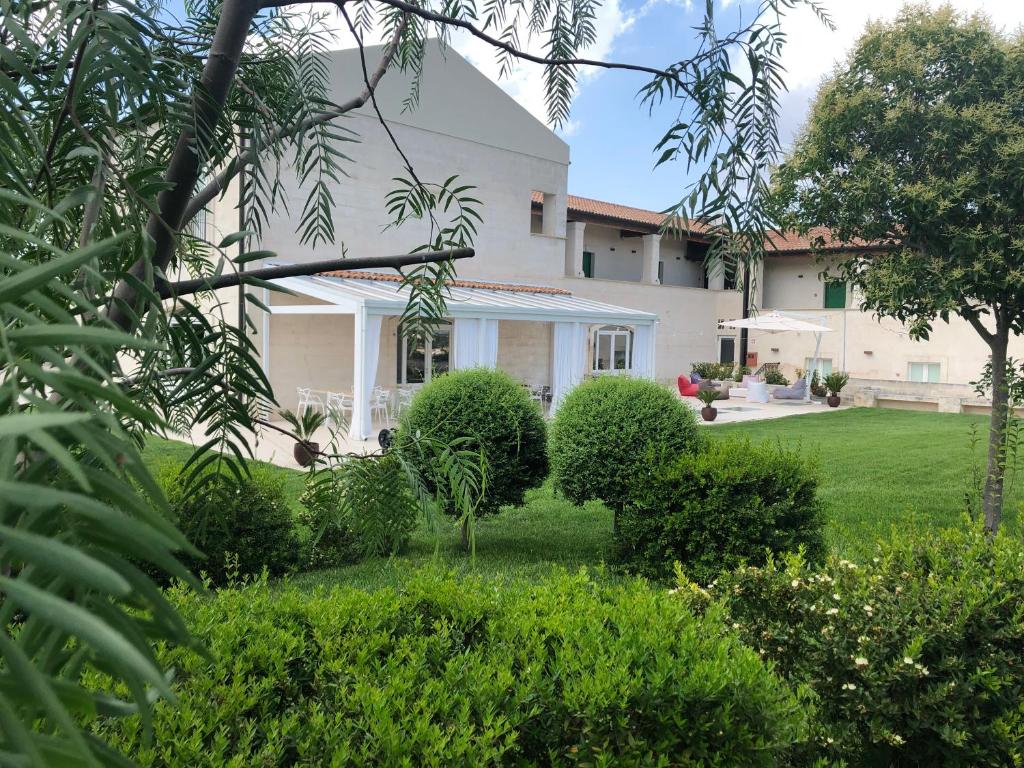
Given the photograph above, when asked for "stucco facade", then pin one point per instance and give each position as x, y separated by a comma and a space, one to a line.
879, 354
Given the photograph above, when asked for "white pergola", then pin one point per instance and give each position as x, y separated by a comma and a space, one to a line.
474, 310
776, 322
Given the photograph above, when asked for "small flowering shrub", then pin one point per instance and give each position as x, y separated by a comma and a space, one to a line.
916, 657
568, 671
730, 504
241, 525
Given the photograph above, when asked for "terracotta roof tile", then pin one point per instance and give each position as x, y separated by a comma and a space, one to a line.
817, 239
623, 213
385, 277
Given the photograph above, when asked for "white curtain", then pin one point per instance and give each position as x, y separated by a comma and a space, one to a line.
476, 343
643, 351
362, 420
569, 358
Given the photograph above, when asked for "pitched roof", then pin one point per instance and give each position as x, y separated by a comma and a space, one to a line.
623, 214
816, 240
387, 277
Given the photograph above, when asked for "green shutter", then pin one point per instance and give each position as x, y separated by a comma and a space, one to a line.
588, 264
835, 294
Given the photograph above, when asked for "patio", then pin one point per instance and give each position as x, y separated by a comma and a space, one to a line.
336, 342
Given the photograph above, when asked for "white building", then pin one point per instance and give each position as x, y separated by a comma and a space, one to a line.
561, 286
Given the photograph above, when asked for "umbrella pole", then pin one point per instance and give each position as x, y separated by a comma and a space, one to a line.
814, 364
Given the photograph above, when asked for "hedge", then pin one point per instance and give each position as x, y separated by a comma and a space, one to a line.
568, 671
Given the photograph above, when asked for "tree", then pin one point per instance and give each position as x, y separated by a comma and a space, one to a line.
915, 149
108, 333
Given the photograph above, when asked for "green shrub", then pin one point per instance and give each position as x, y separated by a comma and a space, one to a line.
603, 429
495, 412
328, 539
775, 377
362, 508
725, 506
241, 526
916, 657
716, 371
565, 672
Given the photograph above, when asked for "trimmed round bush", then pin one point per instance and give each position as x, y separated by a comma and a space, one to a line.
241, 526
731, 504
606, 427
567, 671
496, 414
915, 654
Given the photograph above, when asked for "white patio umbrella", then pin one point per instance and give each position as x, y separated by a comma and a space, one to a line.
776, 322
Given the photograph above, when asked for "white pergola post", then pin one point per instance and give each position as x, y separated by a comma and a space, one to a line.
365, 352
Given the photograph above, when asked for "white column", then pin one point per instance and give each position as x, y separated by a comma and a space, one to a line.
651, 254
357, 426
569, 359
574, 248
553, 217
365, 352
716, 276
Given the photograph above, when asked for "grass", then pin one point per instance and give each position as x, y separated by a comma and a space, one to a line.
879, 468
884, 467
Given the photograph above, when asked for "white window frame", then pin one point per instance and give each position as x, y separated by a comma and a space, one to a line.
926, 367
428, 357
612, 332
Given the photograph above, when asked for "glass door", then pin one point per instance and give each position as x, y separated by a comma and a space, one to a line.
415, 353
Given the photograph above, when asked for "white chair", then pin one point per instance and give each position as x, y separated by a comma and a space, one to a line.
308, 400
339, 408
380, 405
403, 399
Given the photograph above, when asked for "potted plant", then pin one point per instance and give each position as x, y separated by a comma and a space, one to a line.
834, 383
304, 425
708, 396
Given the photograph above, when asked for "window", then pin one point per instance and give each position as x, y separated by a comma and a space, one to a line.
588, 264
823, 366
835, 294
613, 349
414, 353
727, 349
925, 373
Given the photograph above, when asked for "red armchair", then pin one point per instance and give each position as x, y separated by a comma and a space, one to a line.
686, 387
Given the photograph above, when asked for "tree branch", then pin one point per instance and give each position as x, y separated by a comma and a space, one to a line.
206, 195
214, 282
984, 332
208, 100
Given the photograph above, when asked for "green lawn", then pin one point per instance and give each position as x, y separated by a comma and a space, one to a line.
879, 468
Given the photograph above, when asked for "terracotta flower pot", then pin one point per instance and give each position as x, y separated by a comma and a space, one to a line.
833, 401
304, 453
708, 413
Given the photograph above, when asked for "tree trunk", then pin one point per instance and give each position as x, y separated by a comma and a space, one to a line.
464, 534
992, 501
